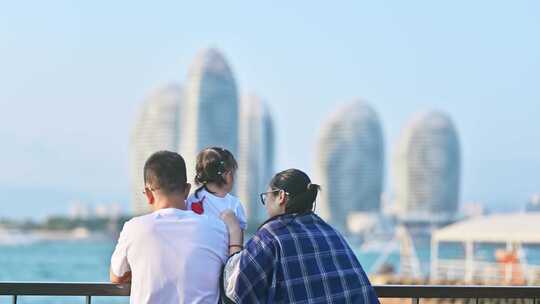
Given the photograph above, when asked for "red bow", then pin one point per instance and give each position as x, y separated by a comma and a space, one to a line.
197, 207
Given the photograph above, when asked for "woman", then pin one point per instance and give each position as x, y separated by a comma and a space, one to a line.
295, 256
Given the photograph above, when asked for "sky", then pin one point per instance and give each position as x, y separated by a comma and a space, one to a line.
74, 74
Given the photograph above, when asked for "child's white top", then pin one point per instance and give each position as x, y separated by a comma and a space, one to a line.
212, 205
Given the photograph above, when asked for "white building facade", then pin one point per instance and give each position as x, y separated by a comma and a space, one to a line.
350, 163
210, 115
427, 170
255, 156
155, 129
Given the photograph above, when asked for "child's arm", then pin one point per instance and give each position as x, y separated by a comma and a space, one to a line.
236, 234
241, 215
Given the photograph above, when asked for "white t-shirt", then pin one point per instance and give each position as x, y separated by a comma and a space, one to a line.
212, 205
175, 256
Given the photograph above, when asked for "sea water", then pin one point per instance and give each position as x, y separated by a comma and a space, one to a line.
57, 261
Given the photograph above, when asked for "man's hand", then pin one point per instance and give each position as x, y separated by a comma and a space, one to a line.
126, 278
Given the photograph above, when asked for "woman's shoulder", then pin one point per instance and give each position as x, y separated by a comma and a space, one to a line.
271, 229
276, 227
261, 241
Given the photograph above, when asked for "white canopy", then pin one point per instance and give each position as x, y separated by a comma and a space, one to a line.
499, 228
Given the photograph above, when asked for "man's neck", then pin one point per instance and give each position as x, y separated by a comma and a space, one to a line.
173, 201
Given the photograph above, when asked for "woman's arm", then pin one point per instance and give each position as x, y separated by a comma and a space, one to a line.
249, 275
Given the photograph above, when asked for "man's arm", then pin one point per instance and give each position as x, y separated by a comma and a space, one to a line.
126, 278
120, 270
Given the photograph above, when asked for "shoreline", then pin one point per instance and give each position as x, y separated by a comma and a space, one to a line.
13, 237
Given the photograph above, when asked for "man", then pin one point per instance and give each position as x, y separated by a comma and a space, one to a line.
170, 255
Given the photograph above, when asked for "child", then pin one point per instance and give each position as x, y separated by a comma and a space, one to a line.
215, 170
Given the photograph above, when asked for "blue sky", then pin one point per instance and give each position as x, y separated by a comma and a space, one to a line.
74, 73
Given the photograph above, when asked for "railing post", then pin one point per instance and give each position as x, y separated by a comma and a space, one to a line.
415, 301
88, 300
14, 301
434, 259
469, 261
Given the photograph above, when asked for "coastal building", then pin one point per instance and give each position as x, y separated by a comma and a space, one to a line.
534, 203
349, 163
210, 111
427, 170
155, 129
496, 249
255, 156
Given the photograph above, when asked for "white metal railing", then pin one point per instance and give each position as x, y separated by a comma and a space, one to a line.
486, 272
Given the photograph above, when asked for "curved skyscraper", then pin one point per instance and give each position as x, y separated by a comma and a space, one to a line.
154, 130
427, 171
210, 114
349, 163
255, 156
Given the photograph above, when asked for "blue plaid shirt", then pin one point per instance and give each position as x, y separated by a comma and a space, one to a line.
297, 259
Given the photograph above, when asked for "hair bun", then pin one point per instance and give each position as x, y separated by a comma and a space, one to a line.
311, 187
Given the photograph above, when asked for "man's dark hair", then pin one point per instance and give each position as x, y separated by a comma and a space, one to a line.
166, 171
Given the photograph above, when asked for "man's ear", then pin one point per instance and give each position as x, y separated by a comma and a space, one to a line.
149, 196
187, 188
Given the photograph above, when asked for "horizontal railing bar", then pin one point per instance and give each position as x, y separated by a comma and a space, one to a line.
456, 291
383, 291
63, 289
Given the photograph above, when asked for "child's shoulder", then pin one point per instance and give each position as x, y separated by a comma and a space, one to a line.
235, 203
234, 199
191, 197
197, 195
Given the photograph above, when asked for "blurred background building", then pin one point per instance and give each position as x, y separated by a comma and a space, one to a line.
534, 203
207, 113
350, 162
210, 115
156, 128
427, 170
255, 155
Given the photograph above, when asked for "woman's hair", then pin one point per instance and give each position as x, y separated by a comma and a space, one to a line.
212, 163
301, 192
